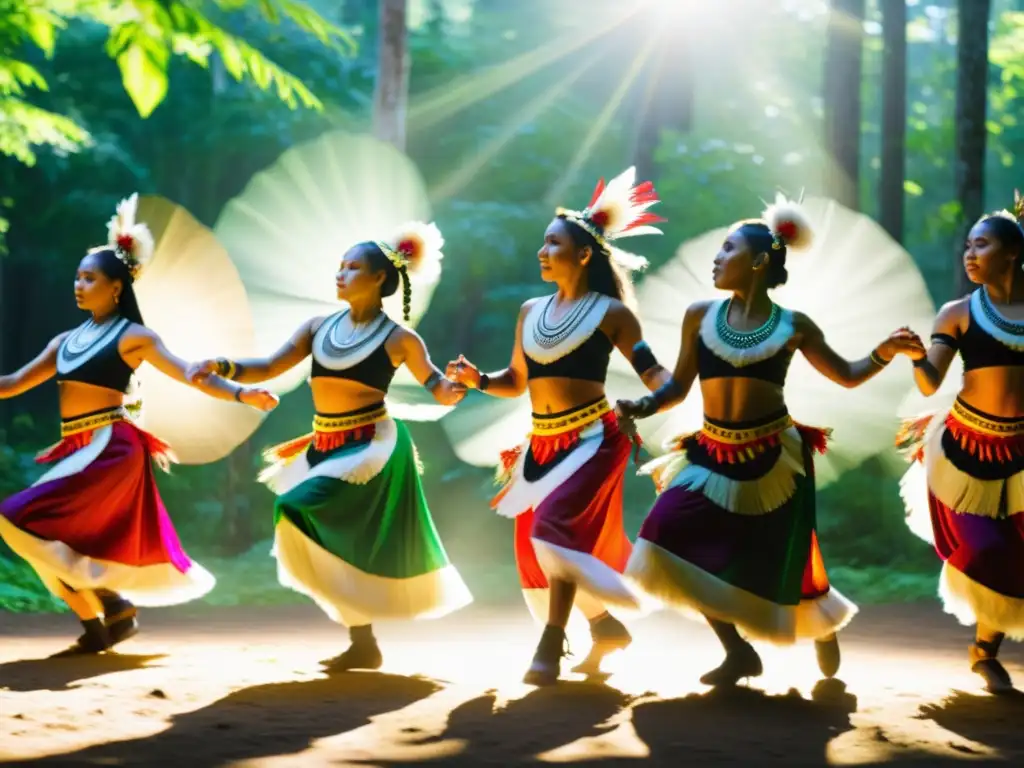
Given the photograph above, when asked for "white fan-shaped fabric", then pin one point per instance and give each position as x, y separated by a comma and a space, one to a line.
288, 229
192, 296
855, 282
916, 404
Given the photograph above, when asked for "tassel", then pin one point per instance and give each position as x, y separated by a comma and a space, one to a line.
815, 438
288, 450
506, 464
65, 447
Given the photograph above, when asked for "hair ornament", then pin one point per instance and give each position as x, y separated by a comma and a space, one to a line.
616, 211
131, 241
415, 247
788, 223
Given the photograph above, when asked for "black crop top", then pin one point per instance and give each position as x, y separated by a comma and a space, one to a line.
588, 362
98, 363
772, 369
978, 347
375, 370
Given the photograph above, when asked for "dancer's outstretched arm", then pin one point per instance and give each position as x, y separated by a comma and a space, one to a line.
32, 374
930, 371
675, 389
417, 359
510, 382
141, 345
628, 337
256, 369
852, 373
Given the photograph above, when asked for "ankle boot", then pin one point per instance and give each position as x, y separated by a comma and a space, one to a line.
546, 666
363, 653
608, 634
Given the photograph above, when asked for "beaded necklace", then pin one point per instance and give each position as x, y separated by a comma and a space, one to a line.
745, 339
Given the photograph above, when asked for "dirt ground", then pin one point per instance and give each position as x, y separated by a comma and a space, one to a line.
241, 687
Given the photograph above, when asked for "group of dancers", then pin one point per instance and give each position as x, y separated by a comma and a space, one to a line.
732, 536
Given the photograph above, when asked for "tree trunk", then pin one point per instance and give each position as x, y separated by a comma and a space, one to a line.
392, 88
842, 102
971, 110
894, 116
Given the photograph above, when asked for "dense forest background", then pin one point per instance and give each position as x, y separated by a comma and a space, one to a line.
909, 111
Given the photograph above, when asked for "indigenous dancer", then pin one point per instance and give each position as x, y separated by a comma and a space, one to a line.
352, 528
967, 482
94, 527
732, 534
564, 485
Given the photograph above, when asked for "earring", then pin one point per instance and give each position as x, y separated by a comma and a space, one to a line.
117, 298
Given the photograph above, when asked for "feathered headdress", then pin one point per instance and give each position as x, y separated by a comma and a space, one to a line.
131, 242
616, 211
416, 247
1017, 212
788, 223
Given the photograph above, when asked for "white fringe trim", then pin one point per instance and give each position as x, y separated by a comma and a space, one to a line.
146, 585
358, 467
914, 492
972, 603
962, 492
590, 575
740, 357
695, 592
586, 328
521, 494
744, 497
344, 592
978, 315
76, 462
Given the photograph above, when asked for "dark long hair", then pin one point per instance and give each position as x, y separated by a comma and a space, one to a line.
603, 274
115, 269
1007, 231
379, 262
760, 240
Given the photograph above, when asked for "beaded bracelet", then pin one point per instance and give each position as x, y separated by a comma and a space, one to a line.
878, 360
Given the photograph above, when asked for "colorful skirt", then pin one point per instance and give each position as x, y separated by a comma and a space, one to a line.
564, 489
95, 520
732, 535
352, 529
964, 493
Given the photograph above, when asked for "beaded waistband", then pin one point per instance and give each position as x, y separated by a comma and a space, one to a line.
739, 434
92, 421
983, 423
328, 423
546, 426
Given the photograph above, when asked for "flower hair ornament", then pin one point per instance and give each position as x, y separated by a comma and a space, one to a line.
788, 223
131, 241
618, 210
416, 248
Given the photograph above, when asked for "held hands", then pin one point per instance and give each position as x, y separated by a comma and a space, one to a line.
625, 411
448, 392
903, 341
463, 372
199, 371
260, 399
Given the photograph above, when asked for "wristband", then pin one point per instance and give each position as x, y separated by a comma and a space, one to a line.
485, 382
878, 359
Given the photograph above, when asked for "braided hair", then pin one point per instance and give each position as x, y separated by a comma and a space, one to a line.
393, 275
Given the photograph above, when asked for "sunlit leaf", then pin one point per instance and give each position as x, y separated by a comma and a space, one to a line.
912, 188
144, 73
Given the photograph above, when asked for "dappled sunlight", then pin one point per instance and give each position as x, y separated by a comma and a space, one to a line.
451, 692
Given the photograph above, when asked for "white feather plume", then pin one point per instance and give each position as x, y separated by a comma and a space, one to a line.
788, 218
126, 236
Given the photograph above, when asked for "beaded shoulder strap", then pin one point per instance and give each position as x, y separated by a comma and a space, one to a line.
740, 348
336, 353
1007, 332
546, 341
86, 341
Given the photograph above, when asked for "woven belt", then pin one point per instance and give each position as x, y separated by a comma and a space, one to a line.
347, 421
91, 421
733, 436
547, 426
986, 426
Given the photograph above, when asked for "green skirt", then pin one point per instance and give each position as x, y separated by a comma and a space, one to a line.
352, 530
